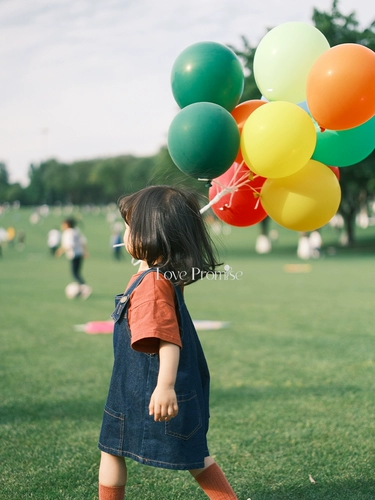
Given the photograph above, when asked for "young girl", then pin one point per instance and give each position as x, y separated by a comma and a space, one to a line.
157, 411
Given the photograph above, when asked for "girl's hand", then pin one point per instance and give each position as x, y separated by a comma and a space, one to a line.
163, 404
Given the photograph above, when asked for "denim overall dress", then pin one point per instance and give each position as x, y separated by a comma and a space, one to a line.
127, 429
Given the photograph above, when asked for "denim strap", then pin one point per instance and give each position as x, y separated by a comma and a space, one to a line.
123, 301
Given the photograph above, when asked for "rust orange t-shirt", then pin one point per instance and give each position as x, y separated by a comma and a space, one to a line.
153, 313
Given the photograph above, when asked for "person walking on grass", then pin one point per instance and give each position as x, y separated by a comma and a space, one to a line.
157, 411
74, 246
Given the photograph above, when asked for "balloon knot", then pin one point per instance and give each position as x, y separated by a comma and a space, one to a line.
322, 129
208, 184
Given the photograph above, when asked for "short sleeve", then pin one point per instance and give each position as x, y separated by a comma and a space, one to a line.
153, 315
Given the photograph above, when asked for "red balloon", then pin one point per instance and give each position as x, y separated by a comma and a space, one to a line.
241, 208
336, 171
241, 113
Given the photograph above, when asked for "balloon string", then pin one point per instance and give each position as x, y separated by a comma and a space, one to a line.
213, 201
258, 200
232, 187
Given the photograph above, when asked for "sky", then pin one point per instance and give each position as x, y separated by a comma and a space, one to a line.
83, 79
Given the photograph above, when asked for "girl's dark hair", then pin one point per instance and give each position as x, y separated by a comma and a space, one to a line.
168, 232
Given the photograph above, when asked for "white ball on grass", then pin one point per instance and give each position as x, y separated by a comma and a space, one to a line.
72, 290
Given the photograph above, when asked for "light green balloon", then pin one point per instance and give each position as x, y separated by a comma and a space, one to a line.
284, 58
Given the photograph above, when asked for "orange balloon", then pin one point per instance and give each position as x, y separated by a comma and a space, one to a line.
340, 87
241, 113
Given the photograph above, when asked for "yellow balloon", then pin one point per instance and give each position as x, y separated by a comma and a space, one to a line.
278, 139
304, 201
284, 58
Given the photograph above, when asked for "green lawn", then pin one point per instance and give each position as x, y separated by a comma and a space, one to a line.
292, 376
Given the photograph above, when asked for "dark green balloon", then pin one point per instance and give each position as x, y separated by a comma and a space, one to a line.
203, 140
207, 72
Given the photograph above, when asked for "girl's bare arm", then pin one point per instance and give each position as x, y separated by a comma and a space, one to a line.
163, 403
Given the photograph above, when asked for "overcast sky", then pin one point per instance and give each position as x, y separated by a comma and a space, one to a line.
88, 78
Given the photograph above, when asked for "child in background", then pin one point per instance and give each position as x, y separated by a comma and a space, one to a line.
157, 411
74, 246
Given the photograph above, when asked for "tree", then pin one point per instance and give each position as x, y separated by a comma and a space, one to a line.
4, 182
357, 182
166, 172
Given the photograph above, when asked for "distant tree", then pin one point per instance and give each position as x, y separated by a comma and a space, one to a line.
15, 192
4, 182
35, 192
246, 54
166, 172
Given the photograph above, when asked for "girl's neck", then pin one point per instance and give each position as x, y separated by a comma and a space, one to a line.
143, 266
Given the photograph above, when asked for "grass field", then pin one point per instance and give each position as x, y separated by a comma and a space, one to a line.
292, 402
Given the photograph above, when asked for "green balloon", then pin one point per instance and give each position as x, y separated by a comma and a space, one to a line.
345, 147
203, 140
207, 72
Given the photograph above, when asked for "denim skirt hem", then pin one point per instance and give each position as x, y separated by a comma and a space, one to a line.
153, 463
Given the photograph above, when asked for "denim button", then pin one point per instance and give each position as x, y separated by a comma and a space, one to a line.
124, 299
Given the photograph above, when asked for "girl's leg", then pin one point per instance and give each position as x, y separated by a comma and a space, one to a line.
213, 481
112, 477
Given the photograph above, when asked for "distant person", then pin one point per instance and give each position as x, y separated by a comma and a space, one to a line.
11, 236
116, 240
157, 410
303, 247
316, 241
21, 240
53, 240
74, 245
3, 239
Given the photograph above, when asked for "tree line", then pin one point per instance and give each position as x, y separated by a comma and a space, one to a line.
104, 180
94, 181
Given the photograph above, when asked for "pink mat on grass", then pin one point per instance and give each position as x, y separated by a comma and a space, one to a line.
105, 327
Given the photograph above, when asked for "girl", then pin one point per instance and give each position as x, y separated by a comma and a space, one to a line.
157, 411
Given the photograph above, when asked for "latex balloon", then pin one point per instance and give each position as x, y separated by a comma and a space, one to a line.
304, 201
207, 72
241, 208
346, 147
278, 139
284, 58
340, 87
241, 113
203, 140
336, 171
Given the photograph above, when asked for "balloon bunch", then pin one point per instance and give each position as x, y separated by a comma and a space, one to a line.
279, 155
